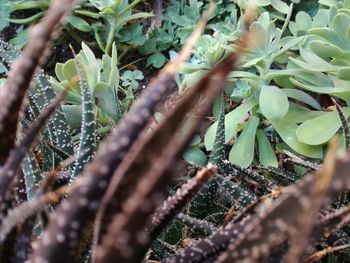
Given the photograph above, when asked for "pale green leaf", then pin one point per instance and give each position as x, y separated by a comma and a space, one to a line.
242, 152
303, 97
267, 156
321, 129
195, 155
273, 103
287, 131
232, 120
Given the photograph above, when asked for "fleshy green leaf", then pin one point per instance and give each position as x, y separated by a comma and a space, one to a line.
303, 97
280, 6
321, 129
90, 65
59, 71
232, 121
267, 155
27, 20
341, 92
313, 62
330, 36
73, 115
24, 5
287, 131
107, 102
21, 38
79, 23
113, 79
195, 155
344, 73
298, 114
340, 24
273, 103
242, 152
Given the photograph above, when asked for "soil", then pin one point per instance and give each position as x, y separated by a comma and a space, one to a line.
8, 32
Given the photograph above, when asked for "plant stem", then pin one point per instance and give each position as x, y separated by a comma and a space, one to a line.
110, 38
126, 9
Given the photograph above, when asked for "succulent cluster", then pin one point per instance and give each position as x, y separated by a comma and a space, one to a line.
101, 18
64, 197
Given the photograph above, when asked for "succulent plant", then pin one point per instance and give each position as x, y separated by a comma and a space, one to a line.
113, 205
264, 102
102, 78
277, 88
104, 19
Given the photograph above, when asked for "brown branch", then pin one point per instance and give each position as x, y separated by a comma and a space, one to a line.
156, 149
22, 71
19, 214
76, 214
9, 170
174, 204
276, 223
305, 222
320, 254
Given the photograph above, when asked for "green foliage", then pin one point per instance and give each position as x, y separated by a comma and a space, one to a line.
303, 130
129, 85
179, 20
242, 152
275, 114
194, 154
103, 19
114, 15
272, 71
102, 79
88, 126
4, 14
323, 58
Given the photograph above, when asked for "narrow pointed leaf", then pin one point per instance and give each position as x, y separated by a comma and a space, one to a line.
88, 135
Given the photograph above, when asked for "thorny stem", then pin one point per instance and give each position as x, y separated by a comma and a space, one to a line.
320, 254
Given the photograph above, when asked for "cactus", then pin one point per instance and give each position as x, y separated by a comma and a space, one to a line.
88, 135
13, 93
344, 124
174, 204
113, 207
10, 168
